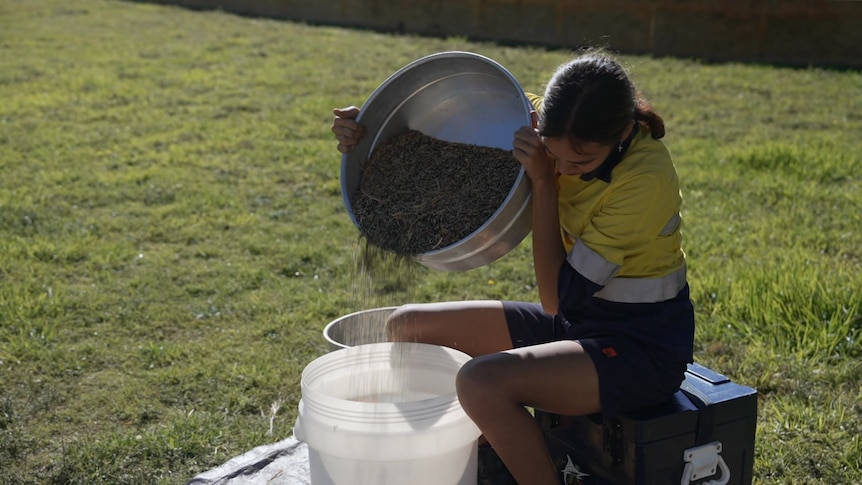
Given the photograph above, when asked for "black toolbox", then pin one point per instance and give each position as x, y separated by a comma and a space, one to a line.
704, 436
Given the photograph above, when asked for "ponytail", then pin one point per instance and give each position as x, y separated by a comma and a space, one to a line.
645, 114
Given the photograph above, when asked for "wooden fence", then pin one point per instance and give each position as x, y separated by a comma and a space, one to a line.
787, 32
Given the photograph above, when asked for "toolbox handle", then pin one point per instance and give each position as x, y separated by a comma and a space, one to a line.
707, 374
704, 461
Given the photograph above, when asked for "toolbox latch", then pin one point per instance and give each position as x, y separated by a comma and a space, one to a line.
703, 462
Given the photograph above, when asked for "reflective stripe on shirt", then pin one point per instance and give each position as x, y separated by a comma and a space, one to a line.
671, 226
643, 290
591, 264
594, 267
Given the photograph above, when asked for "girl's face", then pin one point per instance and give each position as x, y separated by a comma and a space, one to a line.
588, 157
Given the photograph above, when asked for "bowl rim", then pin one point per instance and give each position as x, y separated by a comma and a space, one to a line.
328, 328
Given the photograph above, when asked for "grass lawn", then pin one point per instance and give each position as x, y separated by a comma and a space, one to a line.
173, 239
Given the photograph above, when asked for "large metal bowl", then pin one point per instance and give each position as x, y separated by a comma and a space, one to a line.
358, 328
456, 97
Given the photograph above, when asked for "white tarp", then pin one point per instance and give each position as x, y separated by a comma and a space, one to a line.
281, 463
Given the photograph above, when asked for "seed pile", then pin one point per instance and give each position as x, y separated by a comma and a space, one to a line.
419, 193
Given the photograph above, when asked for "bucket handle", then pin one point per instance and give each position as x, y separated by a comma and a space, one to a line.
297, 430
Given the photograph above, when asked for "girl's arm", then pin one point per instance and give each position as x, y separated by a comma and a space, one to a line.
548, 250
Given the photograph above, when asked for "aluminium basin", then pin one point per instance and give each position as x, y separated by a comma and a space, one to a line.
458, 97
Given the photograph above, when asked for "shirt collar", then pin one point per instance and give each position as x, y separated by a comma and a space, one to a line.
603, 172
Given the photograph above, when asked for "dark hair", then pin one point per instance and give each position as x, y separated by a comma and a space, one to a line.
591, 99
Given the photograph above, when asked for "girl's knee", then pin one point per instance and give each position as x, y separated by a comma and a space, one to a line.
477, 381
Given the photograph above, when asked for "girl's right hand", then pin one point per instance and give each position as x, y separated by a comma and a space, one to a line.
347, 131
529, 149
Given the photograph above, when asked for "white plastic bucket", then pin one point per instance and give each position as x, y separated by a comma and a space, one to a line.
386, 414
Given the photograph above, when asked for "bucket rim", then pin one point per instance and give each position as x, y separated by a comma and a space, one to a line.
373, 355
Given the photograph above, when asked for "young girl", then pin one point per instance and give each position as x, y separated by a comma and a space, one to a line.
615, 327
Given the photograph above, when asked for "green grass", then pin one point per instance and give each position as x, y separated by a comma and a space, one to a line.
173, 240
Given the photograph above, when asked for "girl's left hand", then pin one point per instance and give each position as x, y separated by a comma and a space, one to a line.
530, 151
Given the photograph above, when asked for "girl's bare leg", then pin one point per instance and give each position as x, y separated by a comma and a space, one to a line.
473, 327
557, 377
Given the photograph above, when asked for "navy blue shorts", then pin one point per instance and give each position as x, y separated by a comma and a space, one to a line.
630, 378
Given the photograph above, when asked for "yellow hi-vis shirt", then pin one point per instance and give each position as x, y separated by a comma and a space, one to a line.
633, 222
624, 235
